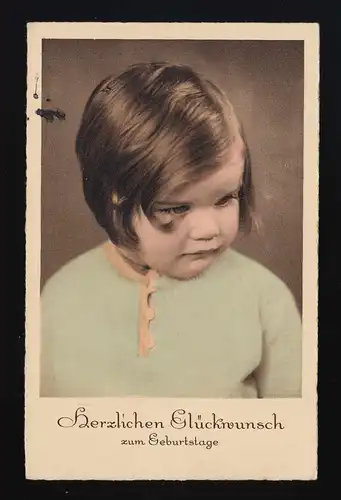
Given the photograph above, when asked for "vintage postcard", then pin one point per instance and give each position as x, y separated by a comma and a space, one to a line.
171, 285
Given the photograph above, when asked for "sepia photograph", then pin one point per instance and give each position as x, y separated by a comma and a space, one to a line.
170, 214
172, 218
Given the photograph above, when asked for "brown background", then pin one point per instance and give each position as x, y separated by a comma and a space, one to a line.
264, 81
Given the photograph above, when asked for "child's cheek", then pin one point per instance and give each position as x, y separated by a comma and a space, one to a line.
230, 224
158, 244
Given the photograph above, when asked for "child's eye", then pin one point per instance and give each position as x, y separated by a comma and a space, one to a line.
174, 210
223, 202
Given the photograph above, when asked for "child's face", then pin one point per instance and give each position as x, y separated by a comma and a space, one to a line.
204, 219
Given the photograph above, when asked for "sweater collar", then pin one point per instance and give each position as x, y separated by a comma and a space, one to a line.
124, 266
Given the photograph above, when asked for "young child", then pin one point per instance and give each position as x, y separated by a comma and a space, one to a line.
165, 308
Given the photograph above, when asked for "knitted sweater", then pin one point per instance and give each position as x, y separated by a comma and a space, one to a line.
234, 332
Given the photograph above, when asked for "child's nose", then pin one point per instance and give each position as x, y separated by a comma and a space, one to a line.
203, 225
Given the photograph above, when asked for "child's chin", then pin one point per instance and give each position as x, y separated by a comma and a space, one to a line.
192, 271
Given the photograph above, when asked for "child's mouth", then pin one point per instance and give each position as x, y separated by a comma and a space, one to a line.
204, 253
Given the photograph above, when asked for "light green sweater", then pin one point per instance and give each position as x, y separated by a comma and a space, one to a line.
235, 332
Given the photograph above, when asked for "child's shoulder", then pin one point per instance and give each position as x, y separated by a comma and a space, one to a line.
243, 264
251, 272
77, 274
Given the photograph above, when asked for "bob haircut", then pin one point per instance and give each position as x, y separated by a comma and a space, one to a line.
150, 132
